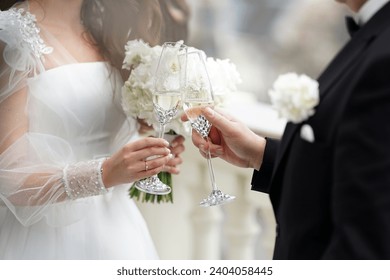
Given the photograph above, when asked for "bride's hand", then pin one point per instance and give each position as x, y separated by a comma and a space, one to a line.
144, 128
129, 165
176, 147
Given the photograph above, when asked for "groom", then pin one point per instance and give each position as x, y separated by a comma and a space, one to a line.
330, 191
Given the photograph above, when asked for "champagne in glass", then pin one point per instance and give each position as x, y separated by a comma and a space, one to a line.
168, 84
197, 94
166, 105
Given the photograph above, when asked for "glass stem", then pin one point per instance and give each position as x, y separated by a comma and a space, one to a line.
211, 169
161, 131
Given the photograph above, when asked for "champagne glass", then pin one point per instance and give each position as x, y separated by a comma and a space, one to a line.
197, 94
168, 83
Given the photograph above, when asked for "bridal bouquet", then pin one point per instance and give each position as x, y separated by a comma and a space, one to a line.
142, 59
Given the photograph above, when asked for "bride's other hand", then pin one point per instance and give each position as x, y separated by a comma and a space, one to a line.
177, 148
144, 128
129, 165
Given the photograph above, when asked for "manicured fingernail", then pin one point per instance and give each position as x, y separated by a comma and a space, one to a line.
166, 143
209, 112
171, 156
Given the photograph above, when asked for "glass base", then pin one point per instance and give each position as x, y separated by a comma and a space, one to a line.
216, 197
152, 185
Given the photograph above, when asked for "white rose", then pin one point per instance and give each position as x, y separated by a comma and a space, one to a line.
294, 96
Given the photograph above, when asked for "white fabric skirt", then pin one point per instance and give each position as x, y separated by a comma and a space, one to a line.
109, 227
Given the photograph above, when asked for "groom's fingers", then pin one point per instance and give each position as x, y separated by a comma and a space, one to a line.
205, 154
217, 120
197, 139
184, 117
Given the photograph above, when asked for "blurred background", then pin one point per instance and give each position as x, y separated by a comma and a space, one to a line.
263, 38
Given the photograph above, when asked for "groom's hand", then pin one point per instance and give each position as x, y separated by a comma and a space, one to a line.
230, 139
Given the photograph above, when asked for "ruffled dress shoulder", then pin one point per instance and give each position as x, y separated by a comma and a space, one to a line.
23, 48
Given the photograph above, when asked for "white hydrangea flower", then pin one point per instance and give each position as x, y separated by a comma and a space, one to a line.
223, 75
137, 96
136, 53
294, 96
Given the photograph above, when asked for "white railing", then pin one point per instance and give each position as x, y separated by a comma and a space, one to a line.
243, 229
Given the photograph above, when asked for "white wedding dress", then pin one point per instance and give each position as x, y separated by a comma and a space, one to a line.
58, 118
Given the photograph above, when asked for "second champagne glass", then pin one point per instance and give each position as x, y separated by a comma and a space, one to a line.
168, 83
197, 94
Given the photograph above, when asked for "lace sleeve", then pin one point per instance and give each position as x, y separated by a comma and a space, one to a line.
37, 170
84, 179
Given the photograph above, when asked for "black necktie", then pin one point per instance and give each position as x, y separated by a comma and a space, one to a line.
352, 26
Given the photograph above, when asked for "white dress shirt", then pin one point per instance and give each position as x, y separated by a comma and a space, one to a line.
368, 10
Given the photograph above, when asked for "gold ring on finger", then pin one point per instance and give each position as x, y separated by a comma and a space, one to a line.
146, 166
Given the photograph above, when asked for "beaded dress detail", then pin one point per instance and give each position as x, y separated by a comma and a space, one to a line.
25, 23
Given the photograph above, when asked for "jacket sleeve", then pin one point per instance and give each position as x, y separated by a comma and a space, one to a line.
262, 178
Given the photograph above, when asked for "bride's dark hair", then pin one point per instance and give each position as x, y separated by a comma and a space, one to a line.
112, 23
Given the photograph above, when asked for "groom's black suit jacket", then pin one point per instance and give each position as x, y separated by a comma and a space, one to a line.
331, 198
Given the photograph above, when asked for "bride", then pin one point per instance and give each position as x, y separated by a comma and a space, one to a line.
67, 151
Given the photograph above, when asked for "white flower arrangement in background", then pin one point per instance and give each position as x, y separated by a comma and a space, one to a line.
295, 96
224, 78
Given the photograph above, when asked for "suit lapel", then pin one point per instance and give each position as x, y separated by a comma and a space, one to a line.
330, 76
338, 67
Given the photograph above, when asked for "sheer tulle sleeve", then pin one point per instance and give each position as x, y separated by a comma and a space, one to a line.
38, 169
